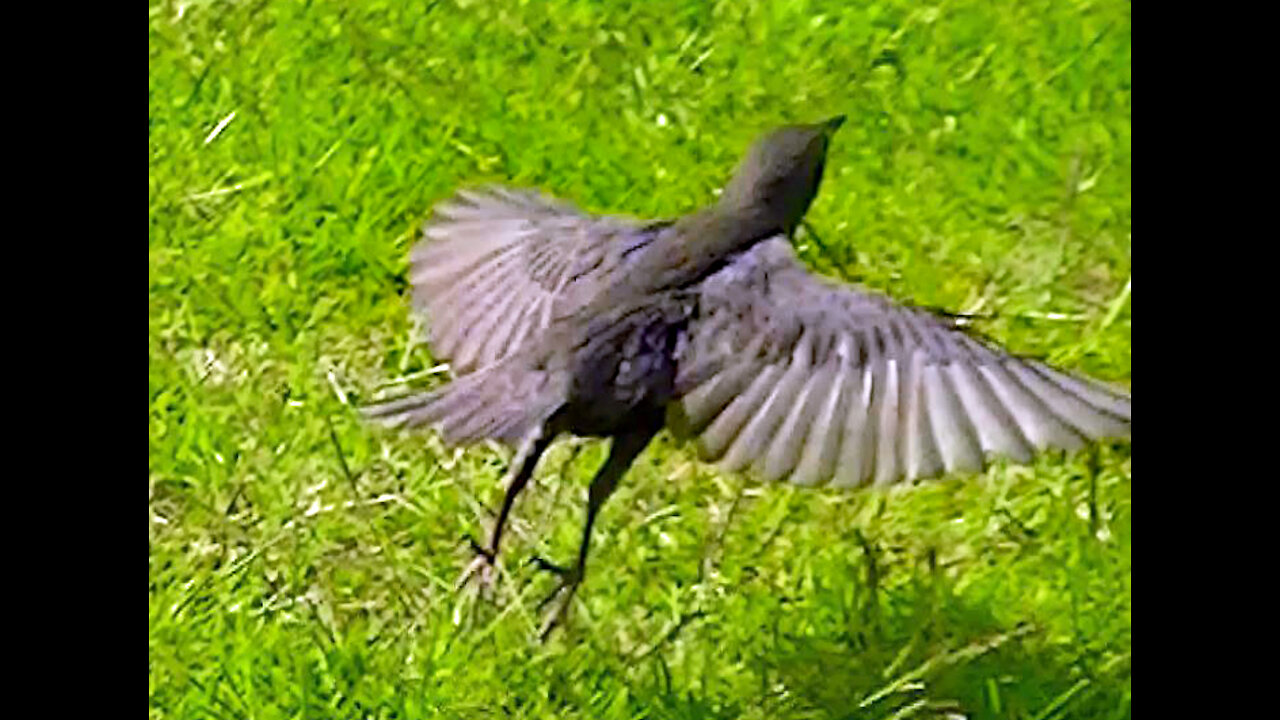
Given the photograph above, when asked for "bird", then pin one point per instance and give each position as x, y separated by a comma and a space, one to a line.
557, 321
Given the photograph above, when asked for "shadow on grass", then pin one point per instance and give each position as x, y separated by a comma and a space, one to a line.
957, 663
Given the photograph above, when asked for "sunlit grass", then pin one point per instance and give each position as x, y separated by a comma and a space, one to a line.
302, 563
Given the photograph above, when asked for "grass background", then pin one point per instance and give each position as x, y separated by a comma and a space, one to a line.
301, 564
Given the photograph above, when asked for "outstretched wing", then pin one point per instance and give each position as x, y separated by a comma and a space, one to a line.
812, 381
497, 265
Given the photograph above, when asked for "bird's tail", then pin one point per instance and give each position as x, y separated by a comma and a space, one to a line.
500, 403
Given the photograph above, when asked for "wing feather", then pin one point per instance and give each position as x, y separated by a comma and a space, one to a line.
759, 431
496, 266
821, 448
807, 380
724, 429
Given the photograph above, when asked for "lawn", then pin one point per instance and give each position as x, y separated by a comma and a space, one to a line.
301, 563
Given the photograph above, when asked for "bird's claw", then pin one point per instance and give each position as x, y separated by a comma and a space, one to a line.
562, 596
481, 568
544, 564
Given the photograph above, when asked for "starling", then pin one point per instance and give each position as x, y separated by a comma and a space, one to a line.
556, 321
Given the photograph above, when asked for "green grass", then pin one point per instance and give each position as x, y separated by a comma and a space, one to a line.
301, 563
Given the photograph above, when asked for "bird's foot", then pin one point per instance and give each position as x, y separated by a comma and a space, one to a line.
480, 573
560, 598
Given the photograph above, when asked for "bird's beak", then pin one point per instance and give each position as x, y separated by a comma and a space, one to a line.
834, 124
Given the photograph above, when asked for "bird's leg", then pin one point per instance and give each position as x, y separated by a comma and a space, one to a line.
624, 450
522, 465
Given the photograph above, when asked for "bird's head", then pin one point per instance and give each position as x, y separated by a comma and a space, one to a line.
779, 177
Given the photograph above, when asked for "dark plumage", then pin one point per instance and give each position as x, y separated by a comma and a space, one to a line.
555, 321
